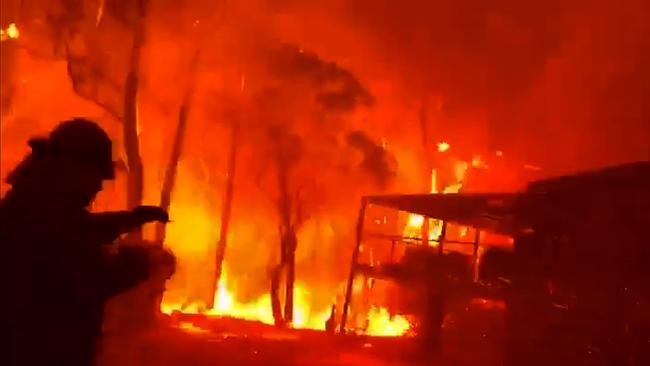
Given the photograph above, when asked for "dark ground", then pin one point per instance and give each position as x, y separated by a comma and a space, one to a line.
196, 340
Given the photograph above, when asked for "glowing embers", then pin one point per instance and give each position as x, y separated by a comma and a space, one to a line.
443, 146
11, 32
478, 162
191, 328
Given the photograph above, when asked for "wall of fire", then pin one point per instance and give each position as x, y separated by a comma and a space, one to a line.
449, 77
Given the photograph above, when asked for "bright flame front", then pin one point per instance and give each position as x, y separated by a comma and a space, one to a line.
227, 305
380, 323
191, 236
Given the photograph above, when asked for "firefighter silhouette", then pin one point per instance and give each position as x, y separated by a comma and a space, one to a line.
57, 274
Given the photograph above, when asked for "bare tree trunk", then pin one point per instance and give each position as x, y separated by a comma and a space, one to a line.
135, 178
424, 125
288, 235
276, 306
226, 211
290, 267
177, 149
137, 308
287, 241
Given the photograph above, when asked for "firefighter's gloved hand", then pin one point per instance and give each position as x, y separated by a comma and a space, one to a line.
147, 214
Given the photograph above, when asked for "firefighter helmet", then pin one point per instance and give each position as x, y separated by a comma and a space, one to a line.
79, 139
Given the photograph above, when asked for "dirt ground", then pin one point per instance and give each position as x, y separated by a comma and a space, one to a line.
197, 341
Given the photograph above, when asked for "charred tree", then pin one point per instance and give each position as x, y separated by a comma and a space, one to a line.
288, 242
276, 305
177, 148
287, 149
135, 178
286, 230
305, 78
226, 211
424, 127
113, 86
137, 309
289, 239
378, 163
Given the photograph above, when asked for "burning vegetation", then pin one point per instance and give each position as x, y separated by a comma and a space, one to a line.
260, 131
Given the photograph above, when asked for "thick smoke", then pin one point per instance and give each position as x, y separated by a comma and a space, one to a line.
377, 161
515, 76
525, 76
338, 90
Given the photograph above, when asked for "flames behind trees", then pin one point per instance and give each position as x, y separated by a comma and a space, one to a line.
331, 108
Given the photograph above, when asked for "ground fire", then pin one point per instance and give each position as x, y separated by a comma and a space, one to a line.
374, 178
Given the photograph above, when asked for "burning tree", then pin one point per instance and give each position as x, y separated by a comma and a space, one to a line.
299, 123
114, 88
103, 44
301, 126
232, 116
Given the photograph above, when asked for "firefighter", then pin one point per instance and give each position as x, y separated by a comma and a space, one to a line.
57, 271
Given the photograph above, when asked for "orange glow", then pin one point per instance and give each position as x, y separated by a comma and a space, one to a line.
419, 91
443, 146
195, 207
478, 162
10, 33
460, 168
532, 167
191, 328
488, 304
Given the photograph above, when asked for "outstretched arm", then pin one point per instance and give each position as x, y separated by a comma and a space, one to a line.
106, 227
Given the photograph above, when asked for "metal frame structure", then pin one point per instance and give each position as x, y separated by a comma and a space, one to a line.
360, 237
585, 234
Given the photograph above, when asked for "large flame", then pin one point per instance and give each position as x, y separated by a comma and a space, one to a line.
226, 304
11, 32
380, 323
413, 228
191, 234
